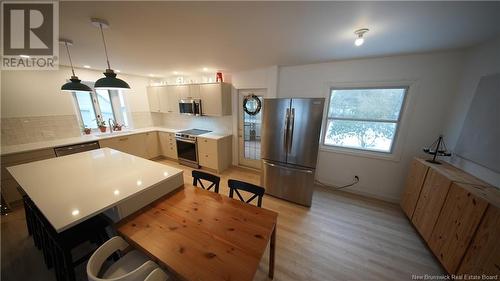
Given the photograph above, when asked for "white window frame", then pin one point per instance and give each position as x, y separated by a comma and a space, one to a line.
115, 106
401, 128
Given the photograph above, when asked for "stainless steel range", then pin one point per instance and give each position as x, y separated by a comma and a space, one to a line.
187, 147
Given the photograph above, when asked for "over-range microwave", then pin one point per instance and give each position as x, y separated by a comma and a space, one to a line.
190, 107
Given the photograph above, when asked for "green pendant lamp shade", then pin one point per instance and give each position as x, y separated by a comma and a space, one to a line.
109, 82
75, 84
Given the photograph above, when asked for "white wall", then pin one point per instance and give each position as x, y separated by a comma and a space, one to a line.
433, 78
479, 61
37, 93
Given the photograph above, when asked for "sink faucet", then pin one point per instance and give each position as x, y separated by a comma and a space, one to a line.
111, 125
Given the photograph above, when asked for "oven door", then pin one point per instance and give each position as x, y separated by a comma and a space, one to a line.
186, 150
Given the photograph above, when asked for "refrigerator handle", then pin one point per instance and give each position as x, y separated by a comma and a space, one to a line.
307, 171
290, 131
285, 132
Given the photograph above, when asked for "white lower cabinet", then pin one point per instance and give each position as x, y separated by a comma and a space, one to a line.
152, 145
168, 146
215, 154
131, 144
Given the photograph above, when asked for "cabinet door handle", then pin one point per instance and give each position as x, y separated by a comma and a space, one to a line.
123, 139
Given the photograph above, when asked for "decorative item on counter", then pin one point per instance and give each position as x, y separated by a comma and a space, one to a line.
437, 148
252, 104
85, 130
179, 80
101, 124
218, 77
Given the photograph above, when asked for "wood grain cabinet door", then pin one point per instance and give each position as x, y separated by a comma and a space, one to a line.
483, 255
457, 223
429, 204
414, 182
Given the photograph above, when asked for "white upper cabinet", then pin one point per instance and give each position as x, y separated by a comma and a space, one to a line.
153, 99
215, 99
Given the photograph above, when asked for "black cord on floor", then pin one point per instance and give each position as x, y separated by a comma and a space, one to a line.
356, 180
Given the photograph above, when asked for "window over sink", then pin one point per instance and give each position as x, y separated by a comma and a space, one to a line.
105, 103
364, 118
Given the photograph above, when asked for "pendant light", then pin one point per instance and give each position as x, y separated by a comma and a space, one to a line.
360, 40
75, 84
110, 82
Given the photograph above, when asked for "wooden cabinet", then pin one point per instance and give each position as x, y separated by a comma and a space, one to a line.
414, 182
215, 154
483, 255
457, 215
459, 218
168, 146
215, 99
152, 145
153, 98
432, 196
179, 91
8, 183
131, 144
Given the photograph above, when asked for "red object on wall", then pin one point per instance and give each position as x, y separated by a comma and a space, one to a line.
218, 78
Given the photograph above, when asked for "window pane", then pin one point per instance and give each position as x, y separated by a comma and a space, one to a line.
105, 105
377, 136
375, 104
123, 109
86, 109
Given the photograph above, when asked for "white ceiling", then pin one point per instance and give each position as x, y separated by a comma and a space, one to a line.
162, 37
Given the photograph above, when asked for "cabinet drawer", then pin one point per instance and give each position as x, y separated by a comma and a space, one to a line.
208, 160
208, 146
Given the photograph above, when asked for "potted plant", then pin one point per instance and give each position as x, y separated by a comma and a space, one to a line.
117, 127
101, 124
85, 130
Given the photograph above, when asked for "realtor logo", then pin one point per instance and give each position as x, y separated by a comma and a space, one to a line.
30, 35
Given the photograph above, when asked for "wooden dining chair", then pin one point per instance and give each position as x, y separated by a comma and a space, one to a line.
257, 191
214, 180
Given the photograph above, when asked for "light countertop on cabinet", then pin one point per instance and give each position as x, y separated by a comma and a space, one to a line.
11, 149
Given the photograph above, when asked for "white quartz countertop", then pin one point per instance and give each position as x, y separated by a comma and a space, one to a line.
11, 149
73, 188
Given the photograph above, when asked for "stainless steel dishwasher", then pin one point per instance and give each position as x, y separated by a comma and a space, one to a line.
76, 148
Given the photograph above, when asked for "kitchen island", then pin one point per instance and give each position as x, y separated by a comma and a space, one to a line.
73, 188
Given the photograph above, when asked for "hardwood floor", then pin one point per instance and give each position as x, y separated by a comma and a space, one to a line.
341, 237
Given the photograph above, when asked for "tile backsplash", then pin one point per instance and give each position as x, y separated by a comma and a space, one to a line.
20, 130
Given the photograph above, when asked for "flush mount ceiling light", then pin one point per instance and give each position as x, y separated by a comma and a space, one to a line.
360, 40
75, 84
110, 82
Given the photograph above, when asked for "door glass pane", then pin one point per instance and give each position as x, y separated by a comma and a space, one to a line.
376, 136
251, 131
86, 109
375, 104
104, 101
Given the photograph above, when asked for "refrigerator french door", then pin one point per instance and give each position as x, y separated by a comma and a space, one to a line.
289, 147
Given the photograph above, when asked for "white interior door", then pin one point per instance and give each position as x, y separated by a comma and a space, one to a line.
249, 131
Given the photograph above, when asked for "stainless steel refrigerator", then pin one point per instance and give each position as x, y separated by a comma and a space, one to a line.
289, 147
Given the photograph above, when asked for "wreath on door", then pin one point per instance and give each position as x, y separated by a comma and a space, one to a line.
252, 104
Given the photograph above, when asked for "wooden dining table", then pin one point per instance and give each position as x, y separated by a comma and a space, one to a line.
201, 235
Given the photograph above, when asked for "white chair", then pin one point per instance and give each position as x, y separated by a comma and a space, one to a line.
133, 266
157, 275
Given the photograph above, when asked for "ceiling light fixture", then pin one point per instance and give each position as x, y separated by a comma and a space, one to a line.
86, 66
360, 40
205, 69
110, 82
117, 70
75, 84
176, 72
